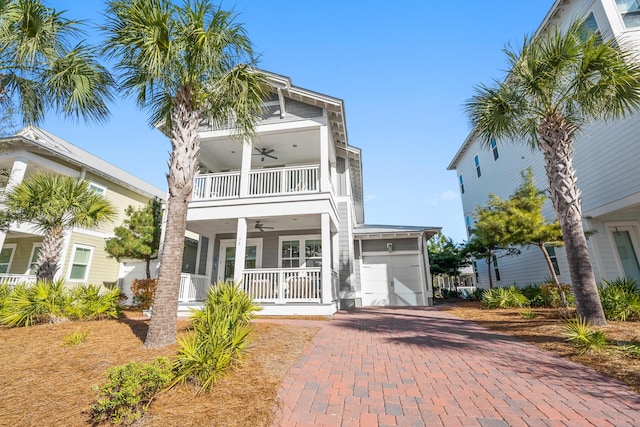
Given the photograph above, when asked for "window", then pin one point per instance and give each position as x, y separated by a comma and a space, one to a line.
33, 259
496, 269
494, 149
80, 260
477, 162
475, 272
461, 184
97, 188
467, 222
291, 255
630, 11
6, 256
554, 259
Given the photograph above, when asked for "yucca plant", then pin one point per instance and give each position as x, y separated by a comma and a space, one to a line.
579, 332
218, 339
528, 314
94, 302
510, 297
77, 337
620, 299
30, 304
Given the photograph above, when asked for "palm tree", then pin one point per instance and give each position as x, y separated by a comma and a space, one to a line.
558, 82
40, 70
185, 63
55, 204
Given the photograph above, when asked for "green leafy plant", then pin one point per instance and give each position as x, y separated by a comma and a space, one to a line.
631, 349
218, 339
143, 291
129, 391
528, 314
76, 337
476, 295
620, 299
510, 297
93, 302
582, 335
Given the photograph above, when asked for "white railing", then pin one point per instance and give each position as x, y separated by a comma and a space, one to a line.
302, 179
282, 285
335, 285
16, 279
193, 287
216, 186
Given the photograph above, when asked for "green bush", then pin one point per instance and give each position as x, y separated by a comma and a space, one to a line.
476, 295
510, 297
218, 339
583, 336
130, 390
76, 338
620, 299
547, 295
51, 301
528, 314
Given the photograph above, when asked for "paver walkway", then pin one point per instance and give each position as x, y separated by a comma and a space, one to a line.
424, 367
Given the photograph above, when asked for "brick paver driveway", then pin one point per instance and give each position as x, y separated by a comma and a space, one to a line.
424, 367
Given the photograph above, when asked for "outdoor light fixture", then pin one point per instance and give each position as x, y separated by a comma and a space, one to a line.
390, 247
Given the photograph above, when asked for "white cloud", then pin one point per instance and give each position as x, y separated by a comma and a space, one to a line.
449, 195
436, 199
370, 197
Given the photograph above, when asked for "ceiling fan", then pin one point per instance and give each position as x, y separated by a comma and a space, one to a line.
265, 152
260, 226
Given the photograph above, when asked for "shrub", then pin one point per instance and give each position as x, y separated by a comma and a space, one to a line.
219, 336
510, 297
631, 349
76, 338
476, 295
528, 314
583, 336
143, 291
94, 302
547, 295
129, 391
620, 299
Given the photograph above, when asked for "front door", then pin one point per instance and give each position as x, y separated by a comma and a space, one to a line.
253, 257
627, 254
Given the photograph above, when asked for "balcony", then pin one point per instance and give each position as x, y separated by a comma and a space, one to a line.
261, 182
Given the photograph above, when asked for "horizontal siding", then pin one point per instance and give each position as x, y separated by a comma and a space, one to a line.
102, 268
22, 253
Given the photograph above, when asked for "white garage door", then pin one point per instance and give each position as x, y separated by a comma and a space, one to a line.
392, 280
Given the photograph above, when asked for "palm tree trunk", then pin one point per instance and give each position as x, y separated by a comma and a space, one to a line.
184, 158
555, 139
49, 255
554, 277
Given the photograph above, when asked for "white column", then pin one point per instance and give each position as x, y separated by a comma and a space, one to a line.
245, 168
241, 249
326, 258
325, 183
210, 257
16, 176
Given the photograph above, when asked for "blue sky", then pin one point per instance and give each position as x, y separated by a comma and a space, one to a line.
404, 69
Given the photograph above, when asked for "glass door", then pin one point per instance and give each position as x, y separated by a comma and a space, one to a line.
228, 257
627, 254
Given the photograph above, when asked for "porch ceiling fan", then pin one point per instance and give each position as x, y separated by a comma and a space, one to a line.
260, 226
265, 152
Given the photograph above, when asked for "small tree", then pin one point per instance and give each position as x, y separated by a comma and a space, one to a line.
445, 256
139, 235
490, 237
527, 226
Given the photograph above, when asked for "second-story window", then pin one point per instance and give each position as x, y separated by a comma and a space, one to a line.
554, 259
461, 184
477, 162
496, 269
630, 11
467, 222
494, 149
98, 189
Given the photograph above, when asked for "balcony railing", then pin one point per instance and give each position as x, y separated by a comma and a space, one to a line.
193, 287
262, 182
282, 285
16, 279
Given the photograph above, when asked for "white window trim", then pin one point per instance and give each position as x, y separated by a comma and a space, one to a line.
101, 187
70, 266
301, 239
226, 243
13, 247
33, 250
633, 228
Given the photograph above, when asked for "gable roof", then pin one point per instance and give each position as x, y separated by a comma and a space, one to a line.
58, 147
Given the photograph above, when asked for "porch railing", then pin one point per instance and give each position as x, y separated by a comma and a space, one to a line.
262, 182
16, 279
193, 287
282, 285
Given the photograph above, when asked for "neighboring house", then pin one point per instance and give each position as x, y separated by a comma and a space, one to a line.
288, 203
84, 259
606, 157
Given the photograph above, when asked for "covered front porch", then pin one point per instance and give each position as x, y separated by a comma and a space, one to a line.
289, 262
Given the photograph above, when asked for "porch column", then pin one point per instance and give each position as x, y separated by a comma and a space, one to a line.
15, 177
325, 182
325, 225
245, 168
241, 249
210, 257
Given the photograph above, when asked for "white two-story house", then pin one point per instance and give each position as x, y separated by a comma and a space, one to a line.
283, 214
606, 155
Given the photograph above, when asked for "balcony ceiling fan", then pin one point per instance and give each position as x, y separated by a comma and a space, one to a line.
260, 226
265, 152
